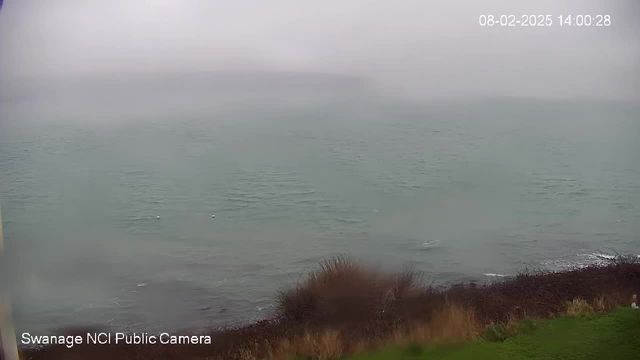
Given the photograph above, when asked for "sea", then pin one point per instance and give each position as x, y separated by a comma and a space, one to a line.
145, 206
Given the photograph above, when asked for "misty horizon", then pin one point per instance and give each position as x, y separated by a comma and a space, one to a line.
411, 49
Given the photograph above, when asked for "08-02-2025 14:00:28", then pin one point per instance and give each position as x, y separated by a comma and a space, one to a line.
505, 20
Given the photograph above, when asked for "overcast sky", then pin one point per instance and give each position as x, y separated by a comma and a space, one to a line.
417, 47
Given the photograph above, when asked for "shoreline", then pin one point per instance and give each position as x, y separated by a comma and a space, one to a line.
359, 307
101, 312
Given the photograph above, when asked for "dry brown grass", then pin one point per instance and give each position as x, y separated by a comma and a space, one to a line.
322, 345
454, 323
609, 301
578, 307
601, 303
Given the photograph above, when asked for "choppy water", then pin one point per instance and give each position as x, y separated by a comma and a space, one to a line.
461, 190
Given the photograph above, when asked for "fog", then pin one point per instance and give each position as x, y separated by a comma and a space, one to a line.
406, 48
282, 118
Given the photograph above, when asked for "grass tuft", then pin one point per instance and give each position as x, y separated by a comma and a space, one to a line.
579, 307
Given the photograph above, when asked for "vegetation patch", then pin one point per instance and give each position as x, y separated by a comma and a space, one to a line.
344, 307
605, 336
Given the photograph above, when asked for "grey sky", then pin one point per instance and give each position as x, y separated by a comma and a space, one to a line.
408, 47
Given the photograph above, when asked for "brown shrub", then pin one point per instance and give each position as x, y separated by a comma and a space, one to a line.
340, 290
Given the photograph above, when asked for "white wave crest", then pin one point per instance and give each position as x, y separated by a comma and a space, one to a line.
494, 275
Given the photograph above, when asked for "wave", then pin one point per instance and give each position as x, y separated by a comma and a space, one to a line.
583, 191
495, 275
599, 256
582, 260
432, 243
349, 220
558, 179
311, 201
242, 200
300, 193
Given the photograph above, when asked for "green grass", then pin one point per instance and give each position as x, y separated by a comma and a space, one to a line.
614, 336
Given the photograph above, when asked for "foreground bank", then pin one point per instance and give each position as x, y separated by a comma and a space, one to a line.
344, 307
586, 335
